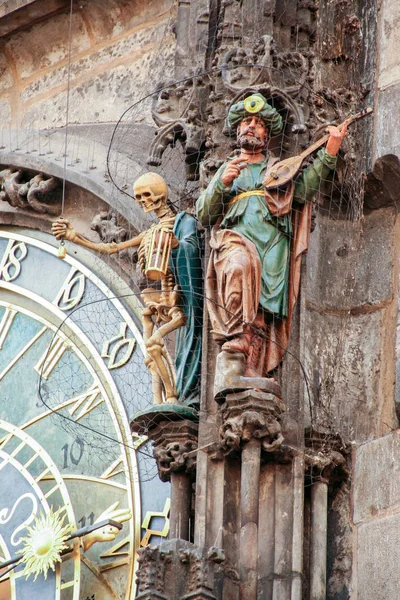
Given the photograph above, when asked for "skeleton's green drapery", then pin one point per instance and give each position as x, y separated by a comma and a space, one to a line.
186, 264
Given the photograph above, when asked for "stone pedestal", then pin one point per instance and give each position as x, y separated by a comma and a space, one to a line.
177, 570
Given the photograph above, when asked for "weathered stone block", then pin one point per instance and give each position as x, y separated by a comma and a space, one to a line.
378, 559
377, 477
388, 133
389, 66
114, 17
82, 68
5, 112
350, 376
349, 265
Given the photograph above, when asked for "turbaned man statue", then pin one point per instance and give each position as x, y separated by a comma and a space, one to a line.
257, 239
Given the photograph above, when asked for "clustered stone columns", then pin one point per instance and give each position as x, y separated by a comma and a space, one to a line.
250, 425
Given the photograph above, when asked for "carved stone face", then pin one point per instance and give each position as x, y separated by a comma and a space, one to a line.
150, 191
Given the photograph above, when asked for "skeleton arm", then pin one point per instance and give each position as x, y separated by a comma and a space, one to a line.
63, 230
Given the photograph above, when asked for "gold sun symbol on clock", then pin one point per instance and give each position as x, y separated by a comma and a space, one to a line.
44, 543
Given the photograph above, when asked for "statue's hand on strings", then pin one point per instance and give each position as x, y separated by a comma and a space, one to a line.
232, 170
63, 230
336, 137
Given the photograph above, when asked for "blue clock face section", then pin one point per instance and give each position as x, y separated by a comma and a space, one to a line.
71, 372
19, 503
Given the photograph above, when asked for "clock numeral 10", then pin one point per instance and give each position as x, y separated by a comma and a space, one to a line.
73, 453
72, 290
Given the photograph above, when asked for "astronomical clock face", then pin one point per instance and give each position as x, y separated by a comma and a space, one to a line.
71, 373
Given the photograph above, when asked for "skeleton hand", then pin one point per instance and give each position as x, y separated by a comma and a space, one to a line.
107, 533
232, 170
63, 230
336, 136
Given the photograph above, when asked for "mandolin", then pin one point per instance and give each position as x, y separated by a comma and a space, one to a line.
285, 170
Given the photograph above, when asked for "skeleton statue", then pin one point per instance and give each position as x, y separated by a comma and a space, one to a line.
169, 252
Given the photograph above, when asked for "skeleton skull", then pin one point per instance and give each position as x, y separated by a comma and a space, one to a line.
150, 191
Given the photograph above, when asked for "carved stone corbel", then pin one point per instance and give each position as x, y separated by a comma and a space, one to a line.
175, 445
27, 191
200, 577
251, 414
175, 449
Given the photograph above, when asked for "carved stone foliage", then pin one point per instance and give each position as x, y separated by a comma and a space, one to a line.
177, 570
26, 190
248, 415
175, 445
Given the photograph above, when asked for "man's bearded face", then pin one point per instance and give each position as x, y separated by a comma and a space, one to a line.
252, 134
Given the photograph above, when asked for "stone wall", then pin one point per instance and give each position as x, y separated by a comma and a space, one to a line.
376, 514
120, 50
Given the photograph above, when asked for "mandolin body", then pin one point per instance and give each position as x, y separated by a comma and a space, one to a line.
282, 172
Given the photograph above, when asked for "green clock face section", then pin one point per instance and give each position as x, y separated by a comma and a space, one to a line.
71, 371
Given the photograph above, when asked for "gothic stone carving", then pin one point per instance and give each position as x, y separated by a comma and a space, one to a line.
251, 414
177, 570
175, 445
324, 456
151, 573
27, 191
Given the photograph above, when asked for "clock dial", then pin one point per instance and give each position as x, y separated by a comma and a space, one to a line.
62, 328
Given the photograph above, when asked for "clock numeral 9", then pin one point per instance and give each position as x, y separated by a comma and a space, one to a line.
75, 452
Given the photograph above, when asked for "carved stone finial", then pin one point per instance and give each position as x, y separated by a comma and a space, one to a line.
251, 414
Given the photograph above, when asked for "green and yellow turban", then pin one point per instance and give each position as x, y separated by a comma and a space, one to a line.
256, 105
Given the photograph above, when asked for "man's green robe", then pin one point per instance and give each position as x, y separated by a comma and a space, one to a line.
251, 217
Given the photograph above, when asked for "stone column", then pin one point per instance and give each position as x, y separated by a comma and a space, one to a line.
321, 460
319, 526
175, 446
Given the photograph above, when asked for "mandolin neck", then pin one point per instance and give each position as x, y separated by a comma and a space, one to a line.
325, 138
